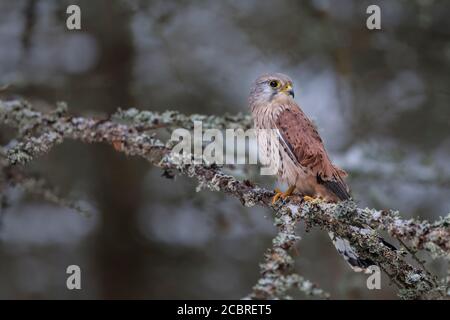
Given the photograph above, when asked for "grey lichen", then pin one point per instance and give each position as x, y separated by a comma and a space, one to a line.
14, 176
25, 151
148, 120
127, 132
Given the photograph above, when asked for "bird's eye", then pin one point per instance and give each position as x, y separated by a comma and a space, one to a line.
274, 83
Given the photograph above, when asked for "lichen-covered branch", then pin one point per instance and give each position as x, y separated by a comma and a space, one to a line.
33, 185
148, 120
276, 270
127, 132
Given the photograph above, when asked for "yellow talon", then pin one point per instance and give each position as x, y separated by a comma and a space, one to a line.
283, 195
277, 195
311, 199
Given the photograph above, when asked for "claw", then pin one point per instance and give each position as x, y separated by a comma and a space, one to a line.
311, 199
277, 195
283, 195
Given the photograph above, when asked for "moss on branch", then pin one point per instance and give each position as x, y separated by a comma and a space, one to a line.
127, 130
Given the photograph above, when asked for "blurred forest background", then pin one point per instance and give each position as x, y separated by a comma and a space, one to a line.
381, 100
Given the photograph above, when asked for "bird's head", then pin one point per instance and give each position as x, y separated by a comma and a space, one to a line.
271, 87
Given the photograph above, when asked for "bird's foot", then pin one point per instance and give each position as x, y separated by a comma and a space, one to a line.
278, 195
283, 195
312, 200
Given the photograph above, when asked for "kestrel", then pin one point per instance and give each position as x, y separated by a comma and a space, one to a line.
300, 156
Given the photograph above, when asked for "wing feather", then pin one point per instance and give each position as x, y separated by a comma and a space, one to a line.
299, 136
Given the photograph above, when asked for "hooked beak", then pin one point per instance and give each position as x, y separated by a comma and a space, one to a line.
287, 89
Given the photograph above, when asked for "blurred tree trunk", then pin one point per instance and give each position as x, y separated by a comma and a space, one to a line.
119, 256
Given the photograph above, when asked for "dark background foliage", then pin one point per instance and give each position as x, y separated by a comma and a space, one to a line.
379, 98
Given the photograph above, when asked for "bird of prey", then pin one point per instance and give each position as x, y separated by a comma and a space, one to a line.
302, 161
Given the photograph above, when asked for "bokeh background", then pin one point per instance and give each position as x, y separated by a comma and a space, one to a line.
381, 100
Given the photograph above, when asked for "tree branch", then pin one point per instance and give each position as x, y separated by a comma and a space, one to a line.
40, 132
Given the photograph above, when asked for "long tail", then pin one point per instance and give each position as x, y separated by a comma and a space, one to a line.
357, 263
340, 189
